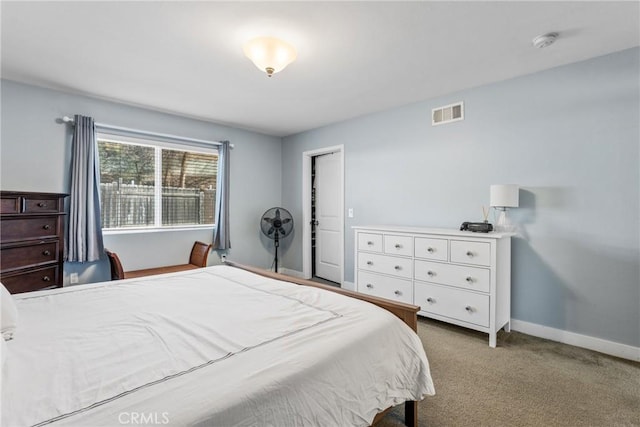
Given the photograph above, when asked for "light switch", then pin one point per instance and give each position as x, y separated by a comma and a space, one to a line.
350, 213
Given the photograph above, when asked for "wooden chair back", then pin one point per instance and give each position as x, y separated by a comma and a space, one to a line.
117, 272
199, 254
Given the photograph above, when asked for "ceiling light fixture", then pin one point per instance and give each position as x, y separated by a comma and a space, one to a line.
544, 40
270, 55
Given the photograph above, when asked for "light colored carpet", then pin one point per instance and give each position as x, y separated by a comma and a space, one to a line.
525, 381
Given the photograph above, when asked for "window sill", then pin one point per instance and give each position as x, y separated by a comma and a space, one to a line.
115, 231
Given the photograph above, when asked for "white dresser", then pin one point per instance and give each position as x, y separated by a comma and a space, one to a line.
454, 276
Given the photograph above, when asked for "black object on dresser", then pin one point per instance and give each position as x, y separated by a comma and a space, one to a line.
31, 240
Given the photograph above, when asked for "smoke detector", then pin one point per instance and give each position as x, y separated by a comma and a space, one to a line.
544, 40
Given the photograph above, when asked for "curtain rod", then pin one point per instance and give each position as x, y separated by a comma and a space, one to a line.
67, 119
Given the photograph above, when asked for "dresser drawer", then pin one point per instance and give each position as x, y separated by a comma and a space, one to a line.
395, 266
33, 280
385, 287
41, 204
398, 245
10, 204
453, 303
461, 276
370, 242
435, 249
476, 253
29, 255
28, 228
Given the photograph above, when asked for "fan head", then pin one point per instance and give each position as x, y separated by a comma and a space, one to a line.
276, 223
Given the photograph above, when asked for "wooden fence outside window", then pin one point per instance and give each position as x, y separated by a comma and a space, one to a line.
131, 205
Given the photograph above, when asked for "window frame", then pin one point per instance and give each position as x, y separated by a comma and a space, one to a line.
158, 145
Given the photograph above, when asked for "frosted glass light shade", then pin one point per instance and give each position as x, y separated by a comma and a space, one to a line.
504, 196
270, 54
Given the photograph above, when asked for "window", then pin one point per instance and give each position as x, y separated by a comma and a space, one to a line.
155, 184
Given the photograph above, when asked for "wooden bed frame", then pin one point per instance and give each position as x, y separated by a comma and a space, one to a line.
408, 313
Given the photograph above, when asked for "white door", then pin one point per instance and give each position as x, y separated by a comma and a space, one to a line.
328, 217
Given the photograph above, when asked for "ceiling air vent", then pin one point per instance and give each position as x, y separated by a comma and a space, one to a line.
447, 114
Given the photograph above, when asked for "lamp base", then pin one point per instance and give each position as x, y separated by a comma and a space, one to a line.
503, 224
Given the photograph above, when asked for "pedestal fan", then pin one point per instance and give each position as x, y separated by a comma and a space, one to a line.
276, 223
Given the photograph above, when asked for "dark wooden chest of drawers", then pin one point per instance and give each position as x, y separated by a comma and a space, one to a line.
31, 240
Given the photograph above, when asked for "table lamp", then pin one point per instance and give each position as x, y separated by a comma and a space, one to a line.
503, 197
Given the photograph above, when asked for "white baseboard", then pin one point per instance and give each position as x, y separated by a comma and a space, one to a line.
597, 344
349, 285
293, 273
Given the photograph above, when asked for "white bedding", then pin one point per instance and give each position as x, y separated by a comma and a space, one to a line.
216, 346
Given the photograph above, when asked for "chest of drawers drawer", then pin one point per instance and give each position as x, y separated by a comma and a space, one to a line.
25, 255
32, 280
385, 287
465, 252
398, 245
35, 227
396, 266
370, 242
429, 248
457, 304
461, 276
42, 204
10, 205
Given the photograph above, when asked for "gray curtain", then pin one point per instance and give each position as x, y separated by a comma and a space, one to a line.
221, 231
84, 242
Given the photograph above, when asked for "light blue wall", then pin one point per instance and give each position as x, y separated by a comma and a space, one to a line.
35, 153
568, 136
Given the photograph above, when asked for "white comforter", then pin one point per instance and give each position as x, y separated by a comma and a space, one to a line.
216, 346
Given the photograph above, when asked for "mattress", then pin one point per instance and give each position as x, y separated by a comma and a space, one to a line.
214, 346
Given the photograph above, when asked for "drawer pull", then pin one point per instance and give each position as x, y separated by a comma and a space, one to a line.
46, 226
369, 285
46, 253
430, 250
46, 279
470, 254
430, 273
398, 246
42, 205
370, 243
397, 293
431, 300
397, 267
469, 308
469, 279
369, 262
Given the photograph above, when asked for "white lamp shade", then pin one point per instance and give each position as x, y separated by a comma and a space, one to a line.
504, 196
269, 53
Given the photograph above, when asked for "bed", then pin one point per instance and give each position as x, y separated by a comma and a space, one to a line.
218, 346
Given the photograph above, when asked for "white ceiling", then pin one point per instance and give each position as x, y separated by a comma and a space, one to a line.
354, 58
